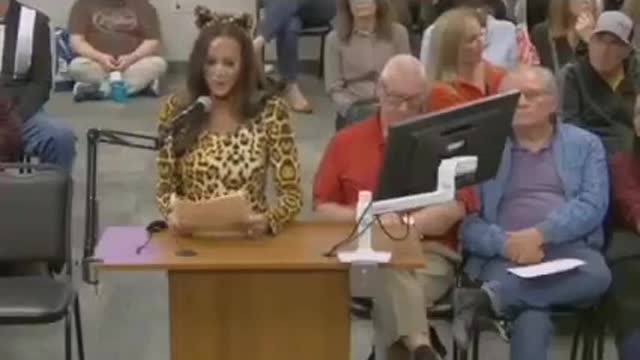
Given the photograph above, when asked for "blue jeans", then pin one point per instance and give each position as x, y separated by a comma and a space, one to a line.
629, 349
50, 140
528, 302
284, 19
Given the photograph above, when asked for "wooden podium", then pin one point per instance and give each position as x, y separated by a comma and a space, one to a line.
259, 299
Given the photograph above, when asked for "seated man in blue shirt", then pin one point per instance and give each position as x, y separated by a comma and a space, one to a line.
547, 201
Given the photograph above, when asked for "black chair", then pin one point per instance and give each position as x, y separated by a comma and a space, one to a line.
35, 228
314, 31
587, 330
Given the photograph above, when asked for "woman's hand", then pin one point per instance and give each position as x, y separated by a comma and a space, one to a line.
257, 225
585, 25
176, 226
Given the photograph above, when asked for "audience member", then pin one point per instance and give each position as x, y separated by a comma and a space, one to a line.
250, 133
26, 79
612, 5
499, 40
632, 9
415, 14
599, 93
284, 19
564, 35
364, 39
460, 74
536, 11
623, 313
399, 317
9, 132
547, 201
115, 36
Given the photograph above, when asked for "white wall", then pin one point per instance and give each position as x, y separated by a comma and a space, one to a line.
178, 28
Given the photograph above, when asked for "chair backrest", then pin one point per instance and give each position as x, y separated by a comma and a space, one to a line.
35, 213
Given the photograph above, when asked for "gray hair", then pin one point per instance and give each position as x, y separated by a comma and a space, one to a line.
548, 79
405, 64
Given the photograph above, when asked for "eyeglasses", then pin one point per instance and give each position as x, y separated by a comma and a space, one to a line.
396, 100
532, 95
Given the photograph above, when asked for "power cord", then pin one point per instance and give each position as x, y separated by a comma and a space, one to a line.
354, 233
389, 235
153, 228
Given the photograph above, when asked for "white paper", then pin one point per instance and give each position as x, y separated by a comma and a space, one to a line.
546, 268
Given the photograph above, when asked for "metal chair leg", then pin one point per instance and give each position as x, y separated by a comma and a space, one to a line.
600, 342
78, 325
67, 336
476, 343
455, 351
576, 341
323, 38
372, 356
587, 345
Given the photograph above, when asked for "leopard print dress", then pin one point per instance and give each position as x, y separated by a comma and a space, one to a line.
219, 164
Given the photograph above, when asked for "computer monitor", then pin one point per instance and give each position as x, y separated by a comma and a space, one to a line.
415, 147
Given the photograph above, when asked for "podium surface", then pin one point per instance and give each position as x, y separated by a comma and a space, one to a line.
267, 298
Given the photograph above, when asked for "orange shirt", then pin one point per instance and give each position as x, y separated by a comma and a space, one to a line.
352, 163
445, 94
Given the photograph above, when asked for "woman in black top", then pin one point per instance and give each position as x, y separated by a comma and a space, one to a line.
565, 33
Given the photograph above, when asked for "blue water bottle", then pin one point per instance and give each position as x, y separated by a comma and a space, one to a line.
119, 92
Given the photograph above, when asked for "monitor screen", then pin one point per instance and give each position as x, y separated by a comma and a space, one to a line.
416, 147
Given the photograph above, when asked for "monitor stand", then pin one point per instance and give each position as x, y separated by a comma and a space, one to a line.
448, 171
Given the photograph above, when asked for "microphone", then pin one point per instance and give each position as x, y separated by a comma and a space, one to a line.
200, 107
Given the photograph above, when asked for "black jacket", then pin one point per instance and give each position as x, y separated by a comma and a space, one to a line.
589, 102
27, 86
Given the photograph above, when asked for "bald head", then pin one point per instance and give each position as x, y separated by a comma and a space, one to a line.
402, 88
404, 68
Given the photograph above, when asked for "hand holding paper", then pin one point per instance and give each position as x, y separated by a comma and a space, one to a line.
228, 215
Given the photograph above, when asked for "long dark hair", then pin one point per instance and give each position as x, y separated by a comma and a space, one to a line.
185, 132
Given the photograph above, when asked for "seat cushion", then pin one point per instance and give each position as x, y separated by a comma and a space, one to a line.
316, 31
33, 299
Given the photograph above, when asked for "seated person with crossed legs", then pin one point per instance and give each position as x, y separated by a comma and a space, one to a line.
26, 79
115, 36
400, 318
547, 201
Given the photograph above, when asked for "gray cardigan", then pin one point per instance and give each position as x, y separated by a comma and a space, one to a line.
351, 68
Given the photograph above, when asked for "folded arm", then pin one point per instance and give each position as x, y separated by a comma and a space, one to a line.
334, 79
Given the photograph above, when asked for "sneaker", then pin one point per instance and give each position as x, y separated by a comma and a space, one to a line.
86, 92
468, 305
425, 353
154, 88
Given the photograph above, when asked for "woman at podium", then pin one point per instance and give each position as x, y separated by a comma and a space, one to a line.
223, 137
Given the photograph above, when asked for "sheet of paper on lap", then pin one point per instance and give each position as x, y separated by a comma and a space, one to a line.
546, 268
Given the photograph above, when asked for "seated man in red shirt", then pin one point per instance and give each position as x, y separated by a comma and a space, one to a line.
351, 164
